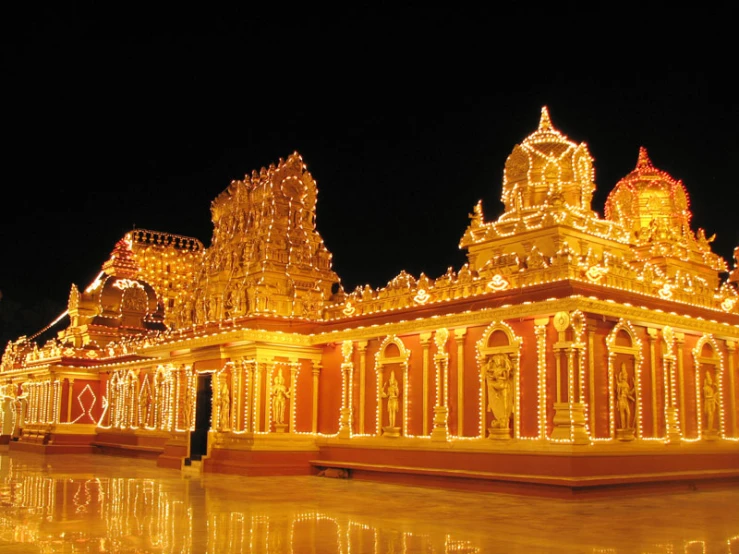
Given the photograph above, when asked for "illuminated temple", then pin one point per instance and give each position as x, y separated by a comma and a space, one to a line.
571, 353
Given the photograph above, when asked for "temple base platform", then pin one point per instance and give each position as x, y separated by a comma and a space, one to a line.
260, 455
55, 439
131, 444
537, 469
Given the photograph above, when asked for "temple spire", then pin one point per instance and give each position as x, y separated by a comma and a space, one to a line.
643, 161
545, 123
121, 262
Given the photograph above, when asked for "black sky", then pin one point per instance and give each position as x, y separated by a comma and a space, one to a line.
114, 120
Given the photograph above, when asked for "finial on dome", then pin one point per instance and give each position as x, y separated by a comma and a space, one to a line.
545, 123
643, 160
122, 262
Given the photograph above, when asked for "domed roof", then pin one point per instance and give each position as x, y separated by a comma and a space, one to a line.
119, 292
649, 201
547, 169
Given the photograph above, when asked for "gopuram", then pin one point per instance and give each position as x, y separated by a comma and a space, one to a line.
572, 354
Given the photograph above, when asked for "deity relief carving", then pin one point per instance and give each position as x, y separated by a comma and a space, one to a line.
224, 414
391, 393
710, 402
280, 395
625, 399
498, 372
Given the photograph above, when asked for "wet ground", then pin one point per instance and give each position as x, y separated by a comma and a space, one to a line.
97, 503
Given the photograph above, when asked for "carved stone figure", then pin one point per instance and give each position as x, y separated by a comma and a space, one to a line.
624, 396
498, 376
280, 394
392, 393
709, 401
225, 412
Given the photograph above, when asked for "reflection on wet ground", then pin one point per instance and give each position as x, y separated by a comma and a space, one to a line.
96, 503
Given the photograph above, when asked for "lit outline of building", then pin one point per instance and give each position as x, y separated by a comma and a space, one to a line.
507, 370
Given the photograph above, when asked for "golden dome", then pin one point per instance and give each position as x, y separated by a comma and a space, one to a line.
649, 203
118, 292
547, 170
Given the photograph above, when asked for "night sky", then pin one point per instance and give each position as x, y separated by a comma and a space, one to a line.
405, 119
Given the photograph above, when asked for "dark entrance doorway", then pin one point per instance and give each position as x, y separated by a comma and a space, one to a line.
203, 408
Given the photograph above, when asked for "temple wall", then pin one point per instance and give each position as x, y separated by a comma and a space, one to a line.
329, 391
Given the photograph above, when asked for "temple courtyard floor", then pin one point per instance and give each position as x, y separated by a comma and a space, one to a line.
96, 503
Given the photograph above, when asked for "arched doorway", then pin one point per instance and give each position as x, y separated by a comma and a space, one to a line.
203, 409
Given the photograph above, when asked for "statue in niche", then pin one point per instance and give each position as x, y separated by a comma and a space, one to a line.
147, 405
704, 243
187, 408
476, 217
709, 401
734, 275
391, 391
498, 372
464, 276
536, 259
199, 311
280, 394
367, 293
624, 398
225, 407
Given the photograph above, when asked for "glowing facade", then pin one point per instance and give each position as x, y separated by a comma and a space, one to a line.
567, 344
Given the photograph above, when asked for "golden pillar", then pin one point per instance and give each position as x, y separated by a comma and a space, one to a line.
459, 335
591, 375
425, 342
680, 340
441, 363
70, 390
347, 367
316, 372
731, 347
653, 377
362, 347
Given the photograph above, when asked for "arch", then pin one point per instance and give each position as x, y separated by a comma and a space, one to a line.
709, 370
145, 403
164, 398
8, 412
498, 364
115, 386
130, 398
224, 398
623, 344
669, 370
392, 351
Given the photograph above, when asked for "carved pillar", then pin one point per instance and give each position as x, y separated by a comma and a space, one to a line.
540, 331
45, 402
238, 390
459, 335
178, 404
569, 415
70, 391
731, 347
291, 399
257, 397
405, 394
591, 327
672, 421
316, 372
653, 376
269, 376
441, 363
347, 367
249, 368
362, 347
680, 341
425, 340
